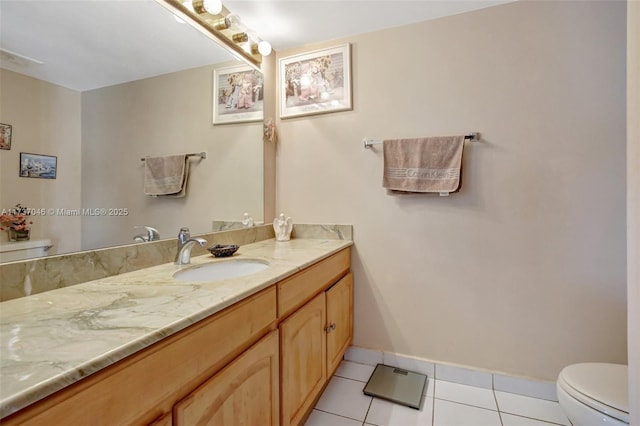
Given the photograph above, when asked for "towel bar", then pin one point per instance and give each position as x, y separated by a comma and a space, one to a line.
369, 142
193, 154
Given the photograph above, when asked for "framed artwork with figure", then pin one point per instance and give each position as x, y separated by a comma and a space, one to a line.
5, 136
237, 95
315, 82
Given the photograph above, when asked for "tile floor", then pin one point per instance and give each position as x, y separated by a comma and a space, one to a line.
446, 404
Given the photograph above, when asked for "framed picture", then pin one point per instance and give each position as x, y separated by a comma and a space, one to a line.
316, 82
237, 95
5, 136
38, 166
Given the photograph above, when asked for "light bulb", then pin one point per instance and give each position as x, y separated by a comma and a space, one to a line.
234, 21
213, 7
264, 47
189, 5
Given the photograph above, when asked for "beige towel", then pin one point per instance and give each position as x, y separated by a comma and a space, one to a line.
166, 176
424, 164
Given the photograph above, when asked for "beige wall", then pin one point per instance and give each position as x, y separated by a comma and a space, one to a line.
633, 204
99, 137
524, 270
45, 120
123, 123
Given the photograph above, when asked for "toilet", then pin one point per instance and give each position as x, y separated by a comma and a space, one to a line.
22, 250
594, 394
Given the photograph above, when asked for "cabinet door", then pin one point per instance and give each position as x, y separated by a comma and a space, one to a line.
244, 393
303, 359
339, 327
165, 420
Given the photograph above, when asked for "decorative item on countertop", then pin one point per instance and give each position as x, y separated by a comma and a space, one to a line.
15, 222
247, 220
283, 227
223, 250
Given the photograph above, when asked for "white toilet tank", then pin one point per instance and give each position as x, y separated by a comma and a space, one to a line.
22, 250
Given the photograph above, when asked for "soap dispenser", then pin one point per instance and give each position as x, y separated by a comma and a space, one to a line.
283, 227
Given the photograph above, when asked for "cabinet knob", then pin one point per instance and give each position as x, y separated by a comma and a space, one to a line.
330, 327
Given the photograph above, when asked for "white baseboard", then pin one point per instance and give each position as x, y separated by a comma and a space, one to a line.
456, 374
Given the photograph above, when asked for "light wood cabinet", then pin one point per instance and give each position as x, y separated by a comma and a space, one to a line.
339, 321
262, 361
312, 342
166, 420
244, 393
303, 356
144, 387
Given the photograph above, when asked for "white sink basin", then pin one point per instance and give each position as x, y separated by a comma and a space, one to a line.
221, 270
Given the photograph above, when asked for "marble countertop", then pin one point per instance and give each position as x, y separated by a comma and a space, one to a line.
53, 339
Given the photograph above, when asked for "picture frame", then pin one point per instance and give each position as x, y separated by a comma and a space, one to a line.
238, 95
38, 166
315, 82
5, 136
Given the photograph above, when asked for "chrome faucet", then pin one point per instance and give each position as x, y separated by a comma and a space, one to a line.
152, 234
185, 244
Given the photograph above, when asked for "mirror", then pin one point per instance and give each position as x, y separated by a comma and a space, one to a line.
101, 85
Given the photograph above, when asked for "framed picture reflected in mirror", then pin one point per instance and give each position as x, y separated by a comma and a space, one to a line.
5, 136
238, 94
38, 166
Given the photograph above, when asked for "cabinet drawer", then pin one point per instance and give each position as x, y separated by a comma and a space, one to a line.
144, 386
298, 289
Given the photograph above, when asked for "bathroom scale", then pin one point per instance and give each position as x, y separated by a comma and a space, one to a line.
397, 385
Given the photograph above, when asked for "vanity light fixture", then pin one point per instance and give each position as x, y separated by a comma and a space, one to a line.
240, 38
258, 46
189, 5
236, 22
212, 7
264, 47
218, 23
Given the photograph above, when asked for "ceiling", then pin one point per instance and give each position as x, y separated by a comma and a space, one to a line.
292, 23
87, 44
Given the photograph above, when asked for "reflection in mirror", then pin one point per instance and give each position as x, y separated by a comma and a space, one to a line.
100, 85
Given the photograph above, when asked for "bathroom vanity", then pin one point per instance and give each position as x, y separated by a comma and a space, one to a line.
142, 348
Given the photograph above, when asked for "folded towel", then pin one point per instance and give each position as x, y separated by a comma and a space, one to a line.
166, 176
423, 165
